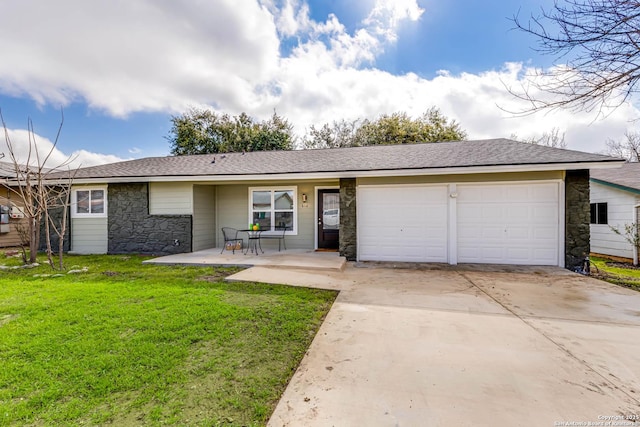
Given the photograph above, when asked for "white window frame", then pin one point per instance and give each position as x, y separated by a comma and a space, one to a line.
74, 202
293, 188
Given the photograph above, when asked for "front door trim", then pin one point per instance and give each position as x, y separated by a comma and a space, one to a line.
315, 210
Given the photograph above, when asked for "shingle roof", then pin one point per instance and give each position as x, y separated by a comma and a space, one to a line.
627, 176
7, 170
492, 152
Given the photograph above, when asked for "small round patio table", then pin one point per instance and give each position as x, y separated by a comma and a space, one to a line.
253, 241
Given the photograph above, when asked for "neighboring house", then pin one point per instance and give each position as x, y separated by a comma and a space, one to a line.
489, 201
11, 212
615, 201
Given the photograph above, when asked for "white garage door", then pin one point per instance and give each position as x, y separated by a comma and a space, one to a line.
508, 223
403, 223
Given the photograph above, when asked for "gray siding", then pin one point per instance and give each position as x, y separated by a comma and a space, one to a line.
232, 210
204, 217
89, 235
170, 198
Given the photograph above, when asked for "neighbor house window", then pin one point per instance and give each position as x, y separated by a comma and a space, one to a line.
89, 202
273, 208
599, 213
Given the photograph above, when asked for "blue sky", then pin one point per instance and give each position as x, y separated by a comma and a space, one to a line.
120, 69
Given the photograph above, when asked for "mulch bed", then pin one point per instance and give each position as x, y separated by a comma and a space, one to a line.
623, 265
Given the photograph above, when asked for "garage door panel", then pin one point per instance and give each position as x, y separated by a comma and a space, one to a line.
545, 213
545, 193
518, 254
545, 233
516, 193
403, 223
518, 233
489, 211
515, 212
510, 223
491, 233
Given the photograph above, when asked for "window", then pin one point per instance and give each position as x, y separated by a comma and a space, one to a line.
273, 208
89, 202
599, 213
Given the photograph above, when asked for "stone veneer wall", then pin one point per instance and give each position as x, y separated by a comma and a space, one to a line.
348, 225
577, 217
56, 217
132, 230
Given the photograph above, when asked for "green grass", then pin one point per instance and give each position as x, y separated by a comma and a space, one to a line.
615, 272
133, 344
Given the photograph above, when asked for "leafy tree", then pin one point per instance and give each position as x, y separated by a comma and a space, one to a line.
201, 131
628, 149
599, 40
335, 135
397, 128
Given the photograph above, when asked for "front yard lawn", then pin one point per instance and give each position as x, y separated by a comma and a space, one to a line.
615, 272
124, 343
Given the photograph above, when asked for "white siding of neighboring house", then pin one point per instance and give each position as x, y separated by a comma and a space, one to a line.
620, 212
171, 198
89, 235
204, 217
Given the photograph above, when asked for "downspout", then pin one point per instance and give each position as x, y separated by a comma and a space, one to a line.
635, 221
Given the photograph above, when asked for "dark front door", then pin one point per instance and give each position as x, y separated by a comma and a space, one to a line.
328, 218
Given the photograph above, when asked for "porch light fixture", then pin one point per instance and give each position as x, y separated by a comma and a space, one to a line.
304, 198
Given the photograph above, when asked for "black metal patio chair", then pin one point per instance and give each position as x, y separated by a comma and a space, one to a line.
231, 240
278, 234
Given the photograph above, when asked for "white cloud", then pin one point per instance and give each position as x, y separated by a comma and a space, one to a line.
291, 18
151, 55
386, 16
44, 153
122, 56
135, 150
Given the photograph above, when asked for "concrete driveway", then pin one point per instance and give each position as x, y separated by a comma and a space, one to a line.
470, 346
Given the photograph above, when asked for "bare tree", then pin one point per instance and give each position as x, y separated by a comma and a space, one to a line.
40, 192
628, 149
598, 42
56, 197
552, 138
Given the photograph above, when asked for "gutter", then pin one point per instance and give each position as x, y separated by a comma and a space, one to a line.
323, 175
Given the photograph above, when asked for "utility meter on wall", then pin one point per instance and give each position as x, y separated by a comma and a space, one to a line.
4, 214
16, 213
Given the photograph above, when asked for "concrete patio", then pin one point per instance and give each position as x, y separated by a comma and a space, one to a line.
291, 258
